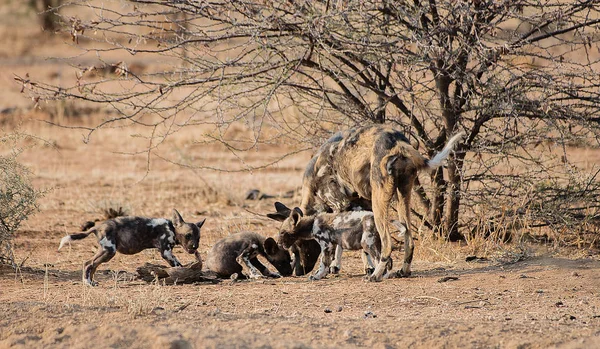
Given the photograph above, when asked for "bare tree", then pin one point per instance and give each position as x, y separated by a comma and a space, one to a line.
519, 76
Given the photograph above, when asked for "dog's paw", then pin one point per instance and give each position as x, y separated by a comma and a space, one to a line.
90, 283
334, 269
403, 274
374, 278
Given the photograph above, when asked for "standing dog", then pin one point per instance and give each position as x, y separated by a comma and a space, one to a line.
238, 252
131, 235
369, 167
353, 230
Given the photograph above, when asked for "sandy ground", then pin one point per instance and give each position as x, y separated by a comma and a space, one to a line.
533, 298
520, 297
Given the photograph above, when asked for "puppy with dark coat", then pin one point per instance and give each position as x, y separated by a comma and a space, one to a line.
238, 252
131, 235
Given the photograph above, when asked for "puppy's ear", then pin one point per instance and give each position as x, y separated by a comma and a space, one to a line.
177, 220
201, 223
271, 246
277, 216
281, 208
282, 212
297, 209
296, 216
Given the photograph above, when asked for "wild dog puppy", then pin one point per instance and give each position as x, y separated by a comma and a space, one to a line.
131, 235
369, 166
353, 230
238, 252
305, 253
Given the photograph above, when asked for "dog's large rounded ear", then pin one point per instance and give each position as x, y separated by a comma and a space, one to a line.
201, 223
296, 216
281, 208
271, 246
177, 220
282, 213
277, 216
297, 209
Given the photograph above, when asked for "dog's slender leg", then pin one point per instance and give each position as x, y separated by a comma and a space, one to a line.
382, 195
367, 263
404, 216
336, 265
103, 255
167, 255
244, 261
326, 252
263, 269
297, 252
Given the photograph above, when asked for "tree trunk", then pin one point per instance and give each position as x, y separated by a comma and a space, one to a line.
451, 224
48, 16
437, 203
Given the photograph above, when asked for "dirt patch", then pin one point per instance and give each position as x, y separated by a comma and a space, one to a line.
538, 303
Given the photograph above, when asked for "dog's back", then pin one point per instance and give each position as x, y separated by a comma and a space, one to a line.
225, 256
222, 256
344, 228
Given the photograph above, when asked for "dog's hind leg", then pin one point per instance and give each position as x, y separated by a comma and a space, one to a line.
382, 196
106, 252
89, 269
404, 216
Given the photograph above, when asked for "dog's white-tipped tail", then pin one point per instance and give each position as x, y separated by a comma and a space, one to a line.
64, 240
441, 156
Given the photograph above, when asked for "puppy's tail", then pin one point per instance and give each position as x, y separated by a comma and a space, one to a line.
78, 236
437, 160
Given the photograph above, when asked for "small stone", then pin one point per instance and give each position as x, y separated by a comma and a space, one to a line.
448, 278
369, 315
327, 310
339, 309
575, 274
157, 310
539, 291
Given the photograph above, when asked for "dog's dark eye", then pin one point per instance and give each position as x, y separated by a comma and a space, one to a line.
188, 236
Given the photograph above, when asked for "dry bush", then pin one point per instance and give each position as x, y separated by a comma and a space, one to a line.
18, 200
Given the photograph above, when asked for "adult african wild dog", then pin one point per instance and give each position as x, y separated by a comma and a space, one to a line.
238, 252
130, 235
369, 166
352, 230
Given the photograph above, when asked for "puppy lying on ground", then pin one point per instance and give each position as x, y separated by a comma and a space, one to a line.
351, 230
238, 252
131, 235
